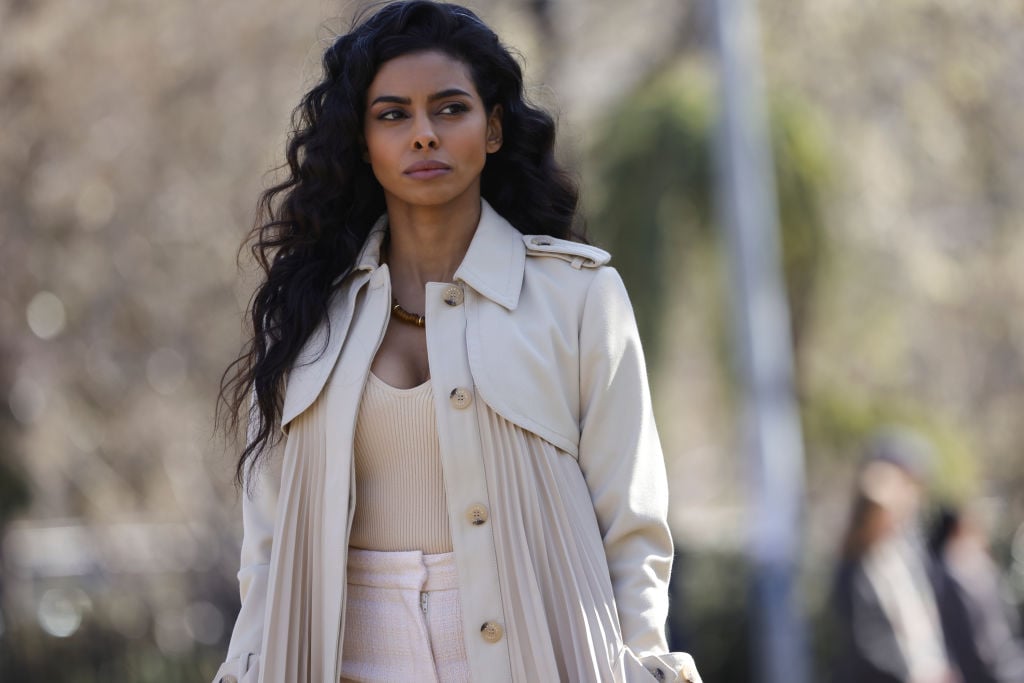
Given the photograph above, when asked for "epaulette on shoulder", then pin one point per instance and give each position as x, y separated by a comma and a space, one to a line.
577, 254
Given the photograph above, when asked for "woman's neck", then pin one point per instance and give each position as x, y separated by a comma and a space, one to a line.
427, 244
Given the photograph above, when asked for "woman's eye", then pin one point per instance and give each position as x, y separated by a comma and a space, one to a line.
454, 108
391, 115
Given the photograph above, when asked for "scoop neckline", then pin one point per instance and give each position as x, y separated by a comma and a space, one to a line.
390, 387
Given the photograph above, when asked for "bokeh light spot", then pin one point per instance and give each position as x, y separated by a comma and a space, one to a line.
204, 623
170, 633
27, 400
45, 315
61, 609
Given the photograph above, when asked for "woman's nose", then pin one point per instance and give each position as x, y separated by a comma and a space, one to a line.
425, 141
425, 137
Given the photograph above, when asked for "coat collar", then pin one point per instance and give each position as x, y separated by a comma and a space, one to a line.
493, 264
496, 259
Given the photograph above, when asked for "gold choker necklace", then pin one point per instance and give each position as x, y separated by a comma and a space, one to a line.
405, 316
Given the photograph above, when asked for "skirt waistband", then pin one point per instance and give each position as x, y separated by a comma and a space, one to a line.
408, 569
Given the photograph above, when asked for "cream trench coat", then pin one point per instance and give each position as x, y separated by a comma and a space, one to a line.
536, 332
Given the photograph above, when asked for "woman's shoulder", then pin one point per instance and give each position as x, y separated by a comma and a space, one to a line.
577, 254
567, 278
577, 271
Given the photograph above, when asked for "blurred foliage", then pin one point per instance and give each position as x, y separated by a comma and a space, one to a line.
653, 200
837, 423
128, 627
653, 207
100, 655
803, 175
711, 613
14, 493
652, 191
14, 485
13, 488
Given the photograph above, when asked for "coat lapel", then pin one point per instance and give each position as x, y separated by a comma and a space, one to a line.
496, 259
318, 355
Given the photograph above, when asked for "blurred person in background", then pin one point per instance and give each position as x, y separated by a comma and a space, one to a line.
471, 484
982, 633
885, 603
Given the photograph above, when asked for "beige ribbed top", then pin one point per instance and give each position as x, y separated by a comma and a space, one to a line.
400, 497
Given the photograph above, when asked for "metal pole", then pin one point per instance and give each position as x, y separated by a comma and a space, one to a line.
771, 425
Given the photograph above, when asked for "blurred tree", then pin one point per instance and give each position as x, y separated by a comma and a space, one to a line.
709, 592
14, 490
654, 203
652, 190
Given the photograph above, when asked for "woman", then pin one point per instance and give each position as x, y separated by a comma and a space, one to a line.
467, 482
889, 630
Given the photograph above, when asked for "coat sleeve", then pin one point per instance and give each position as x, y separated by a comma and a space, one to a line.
259, 505
621, 459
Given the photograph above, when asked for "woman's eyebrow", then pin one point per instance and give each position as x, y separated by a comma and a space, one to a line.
450, 92
440, 95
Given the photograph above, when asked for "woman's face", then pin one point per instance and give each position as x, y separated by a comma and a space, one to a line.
427, 131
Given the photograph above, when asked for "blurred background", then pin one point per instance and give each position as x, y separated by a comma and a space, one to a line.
136, 135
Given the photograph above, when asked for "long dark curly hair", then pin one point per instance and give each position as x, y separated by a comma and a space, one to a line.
311, 226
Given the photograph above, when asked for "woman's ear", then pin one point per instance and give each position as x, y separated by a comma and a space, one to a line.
494, 138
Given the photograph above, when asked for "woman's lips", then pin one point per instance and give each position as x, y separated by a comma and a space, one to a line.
425, 170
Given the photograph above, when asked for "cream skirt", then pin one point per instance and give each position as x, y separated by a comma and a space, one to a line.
403, 619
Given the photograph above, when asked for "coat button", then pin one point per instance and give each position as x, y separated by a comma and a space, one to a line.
477, 514
492, 631
541, 241
460, 398
453, 295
